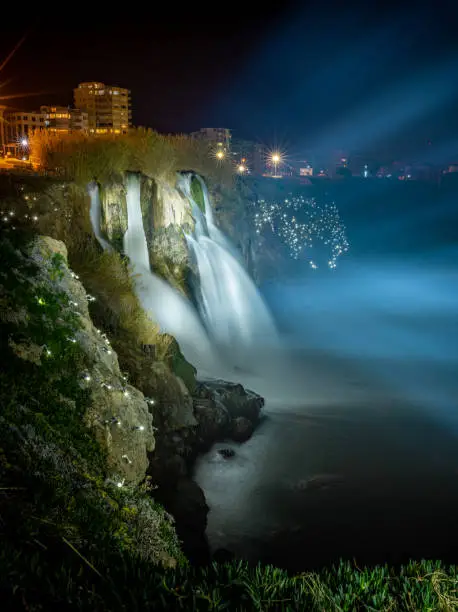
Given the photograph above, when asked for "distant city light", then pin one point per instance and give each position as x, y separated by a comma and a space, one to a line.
276, 159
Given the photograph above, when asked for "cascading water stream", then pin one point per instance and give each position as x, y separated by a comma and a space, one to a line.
95, 213
231, 307
169, 309
235, 319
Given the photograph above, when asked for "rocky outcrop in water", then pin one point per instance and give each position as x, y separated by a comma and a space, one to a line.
219, 410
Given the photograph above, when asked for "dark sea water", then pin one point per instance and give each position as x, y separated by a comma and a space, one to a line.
387, 489
357, 453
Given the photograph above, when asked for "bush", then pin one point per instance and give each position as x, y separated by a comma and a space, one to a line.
81, 158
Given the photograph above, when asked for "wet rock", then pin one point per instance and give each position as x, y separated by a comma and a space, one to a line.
213, 419
114, 209
319, 482
187, 504
238, 401
227, 453
242, 429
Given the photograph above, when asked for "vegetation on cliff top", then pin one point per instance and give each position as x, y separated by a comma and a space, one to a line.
81, 158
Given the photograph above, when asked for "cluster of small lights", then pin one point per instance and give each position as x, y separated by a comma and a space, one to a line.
86, 377
318, 226
7, 216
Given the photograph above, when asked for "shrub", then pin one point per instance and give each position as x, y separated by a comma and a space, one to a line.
81, 158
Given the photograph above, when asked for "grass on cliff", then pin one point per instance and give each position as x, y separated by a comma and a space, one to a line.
137, 341
81, 158
131, 584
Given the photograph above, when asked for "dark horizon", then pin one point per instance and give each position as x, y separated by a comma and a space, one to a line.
297, 77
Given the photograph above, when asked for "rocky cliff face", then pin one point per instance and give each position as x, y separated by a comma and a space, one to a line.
235, 211
120, 412
74, 434
118, 415
166, 216
121, 416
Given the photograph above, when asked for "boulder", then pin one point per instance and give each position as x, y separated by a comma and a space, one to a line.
227, 453
213, 419
238, 401
241, 429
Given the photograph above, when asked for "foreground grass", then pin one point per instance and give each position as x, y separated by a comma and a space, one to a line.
61, 578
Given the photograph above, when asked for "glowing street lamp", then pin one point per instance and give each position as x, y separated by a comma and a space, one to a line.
220, 154
241, 169
276, 159
24, 142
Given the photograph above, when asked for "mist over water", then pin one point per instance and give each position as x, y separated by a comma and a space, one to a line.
375, 329
367, 404
359, 375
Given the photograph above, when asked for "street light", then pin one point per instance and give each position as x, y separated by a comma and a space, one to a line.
276, 160
24, 142
220, 154
241, 168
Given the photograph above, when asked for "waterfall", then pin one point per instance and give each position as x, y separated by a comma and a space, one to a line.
95, 213
165, 305
230, 306
134, 242
232, 320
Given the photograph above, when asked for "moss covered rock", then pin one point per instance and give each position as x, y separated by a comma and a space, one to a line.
117, 413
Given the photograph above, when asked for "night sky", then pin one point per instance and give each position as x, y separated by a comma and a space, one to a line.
304, 76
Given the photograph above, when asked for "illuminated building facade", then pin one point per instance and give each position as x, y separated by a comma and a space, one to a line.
3, 137
220, 138
21, 124
306, 170
250, 154
108, 107
63, 120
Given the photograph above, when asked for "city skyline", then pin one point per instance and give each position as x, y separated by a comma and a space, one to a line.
380, 84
